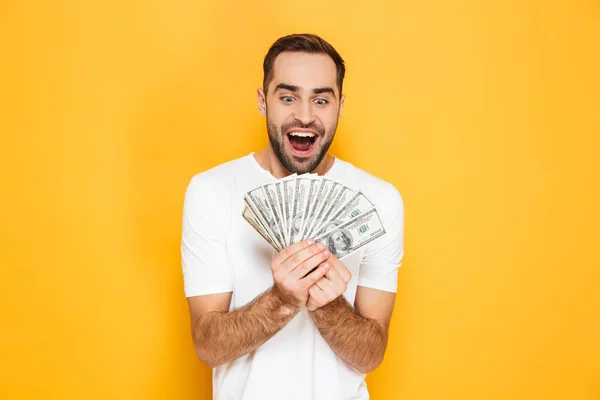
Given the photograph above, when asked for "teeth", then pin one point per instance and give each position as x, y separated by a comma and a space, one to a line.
302, 134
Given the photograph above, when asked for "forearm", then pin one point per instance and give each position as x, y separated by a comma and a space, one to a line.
357, 340
220, 337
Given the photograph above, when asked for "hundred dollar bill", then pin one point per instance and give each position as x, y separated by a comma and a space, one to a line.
257, 200
340, 200
271, 192
323, 207
309, 219
311, 198
288, 190
282, 215
253, 220
353, 234
262, 223
298, 206
357, 205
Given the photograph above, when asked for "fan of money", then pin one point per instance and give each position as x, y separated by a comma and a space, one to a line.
305, 206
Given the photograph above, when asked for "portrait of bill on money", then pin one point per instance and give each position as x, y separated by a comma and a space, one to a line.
290, 254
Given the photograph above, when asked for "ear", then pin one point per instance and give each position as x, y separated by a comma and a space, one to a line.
262, 102
341, 105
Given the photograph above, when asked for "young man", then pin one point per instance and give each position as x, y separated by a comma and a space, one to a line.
268, 327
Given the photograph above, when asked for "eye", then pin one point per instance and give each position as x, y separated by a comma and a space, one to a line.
287, 99
321, 102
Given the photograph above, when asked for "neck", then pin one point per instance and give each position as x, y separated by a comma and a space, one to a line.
267, 159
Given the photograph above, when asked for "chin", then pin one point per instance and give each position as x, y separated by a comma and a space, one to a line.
300, 167
292, 163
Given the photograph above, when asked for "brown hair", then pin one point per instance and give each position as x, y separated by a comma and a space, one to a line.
306, 43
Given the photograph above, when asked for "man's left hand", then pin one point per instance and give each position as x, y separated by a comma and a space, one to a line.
329, 287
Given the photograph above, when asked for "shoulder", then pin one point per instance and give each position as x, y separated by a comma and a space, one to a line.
214, 190
220, 175
218, 180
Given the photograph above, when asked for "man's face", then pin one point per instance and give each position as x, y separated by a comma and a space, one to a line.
302, 106
339, 241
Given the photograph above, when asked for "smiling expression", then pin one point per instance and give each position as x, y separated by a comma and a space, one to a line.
303, 106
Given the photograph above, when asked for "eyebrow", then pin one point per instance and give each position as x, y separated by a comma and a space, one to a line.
285, 86
324, 90
296, 89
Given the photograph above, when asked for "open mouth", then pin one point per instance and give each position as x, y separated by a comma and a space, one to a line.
301, 142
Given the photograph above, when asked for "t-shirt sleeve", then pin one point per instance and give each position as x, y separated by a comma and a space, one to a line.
203, 245
383, 257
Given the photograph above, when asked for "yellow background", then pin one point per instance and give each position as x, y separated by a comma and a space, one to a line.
484, 114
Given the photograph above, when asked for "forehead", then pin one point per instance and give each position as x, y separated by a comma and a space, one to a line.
308, 71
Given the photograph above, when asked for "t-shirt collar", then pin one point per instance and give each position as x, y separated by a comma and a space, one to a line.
268, 173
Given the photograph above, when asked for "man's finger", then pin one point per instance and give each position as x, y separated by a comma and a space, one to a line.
307, 265
343, 271
307, 255
314, 276
333, 275
318, 295
315, 298
320, 283
289, 251
335, 285
314, 291
327, 287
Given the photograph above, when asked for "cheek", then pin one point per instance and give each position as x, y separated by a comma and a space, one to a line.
279, 116
277, 109
330, 119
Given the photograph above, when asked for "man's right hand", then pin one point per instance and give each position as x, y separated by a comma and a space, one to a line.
291, 266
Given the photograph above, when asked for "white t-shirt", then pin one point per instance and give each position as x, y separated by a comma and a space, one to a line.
221, 252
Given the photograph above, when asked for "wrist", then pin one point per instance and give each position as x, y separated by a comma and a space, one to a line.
282, 305
333, 306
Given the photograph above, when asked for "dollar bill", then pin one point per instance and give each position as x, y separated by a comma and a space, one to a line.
289, 193
300, 199
323, 207
253, 220
340, 200
253, 214
281, 204
357, 205
354, 234
257, 200
276, 208
313, 189
294, 208
324, 189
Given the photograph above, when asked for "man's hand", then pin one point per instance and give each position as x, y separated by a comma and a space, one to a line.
291, 266
329, 287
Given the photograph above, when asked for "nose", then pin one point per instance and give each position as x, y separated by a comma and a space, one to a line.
304, 113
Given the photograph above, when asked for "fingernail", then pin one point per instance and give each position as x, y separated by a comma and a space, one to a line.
321, 246
326, 265
326, 253
310, 241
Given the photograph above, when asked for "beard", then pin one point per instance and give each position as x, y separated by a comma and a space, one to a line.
277, 139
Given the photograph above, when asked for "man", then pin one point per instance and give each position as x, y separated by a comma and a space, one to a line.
300, 324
